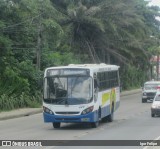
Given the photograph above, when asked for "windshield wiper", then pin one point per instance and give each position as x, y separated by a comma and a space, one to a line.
62, 100
49, 100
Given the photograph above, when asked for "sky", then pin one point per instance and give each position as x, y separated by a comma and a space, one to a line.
155, 2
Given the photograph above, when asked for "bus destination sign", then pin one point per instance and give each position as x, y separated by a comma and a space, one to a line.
67, 72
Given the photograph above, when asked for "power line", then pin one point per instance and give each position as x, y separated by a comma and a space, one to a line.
14, 25
23, 48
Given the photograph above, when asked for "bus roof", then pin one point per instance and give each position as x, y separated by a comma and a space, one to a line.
92, 67
88, 66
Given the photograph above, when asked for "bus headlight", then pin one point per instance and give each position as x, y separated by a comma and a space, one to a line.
45, 109
88, 110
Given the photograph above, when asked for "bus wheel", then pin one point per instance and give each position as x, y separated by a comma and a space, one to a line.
144, 100
152, 115
95, 124
105, 119
110, 117
56, 125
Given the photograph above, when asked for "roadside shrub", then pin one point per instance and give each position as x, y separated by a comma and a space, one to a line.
24, 100
132, 77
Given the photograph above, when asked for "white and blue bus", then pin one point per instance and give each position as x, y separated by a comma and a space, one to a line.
84, 93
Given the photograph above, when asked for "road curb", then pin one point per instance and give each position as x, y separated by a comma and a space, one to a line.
19, 113
130, 92
30, 111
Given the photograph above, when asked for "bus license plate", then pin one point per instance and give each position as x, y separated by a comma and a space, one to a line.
85, 119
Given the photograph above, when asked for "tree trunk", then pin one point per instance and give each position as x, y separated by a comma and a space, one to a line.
90, 52
108, 58
158, 67
38, 51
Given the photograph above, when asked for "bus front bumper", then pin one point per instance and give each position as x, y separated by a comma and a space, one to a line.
90, 117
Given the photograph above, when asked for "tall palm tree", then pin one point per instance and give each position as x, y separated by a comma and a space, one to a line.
107, 30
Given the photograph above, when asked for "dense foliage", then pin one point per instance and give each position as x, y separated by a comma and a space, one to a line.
35, 34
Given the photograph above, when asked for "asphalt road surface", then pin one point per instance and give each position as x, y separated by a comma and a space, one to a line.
132, 121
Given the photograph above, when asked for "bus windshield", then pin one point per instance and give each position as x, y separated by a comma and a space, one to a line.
150, 86
68, 90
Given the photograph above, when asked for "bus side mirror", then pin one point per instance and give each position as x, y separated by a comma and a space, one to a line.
96, 84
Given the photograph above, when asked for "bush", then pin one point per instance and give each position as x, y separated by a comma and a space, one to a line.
24, 100
132, 77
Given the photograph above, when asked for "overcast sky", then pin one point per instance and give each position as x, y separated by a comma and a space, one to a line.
155, 2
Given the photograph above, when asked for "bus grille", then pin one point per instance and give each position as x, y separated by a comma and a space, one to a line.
67, 113
67, 119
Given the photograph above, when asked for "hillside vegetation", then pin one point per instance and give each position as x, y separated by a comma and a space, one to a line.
35, 34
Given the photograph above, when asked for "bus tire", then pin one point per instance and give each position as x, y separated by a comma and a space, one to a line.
56, 125
99, 114
144, 100
153, 115
105, 119
95, 124
111, 116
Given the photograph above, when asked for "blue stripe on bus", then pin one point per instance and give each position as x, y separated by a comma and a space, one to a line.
90, 117
105, 111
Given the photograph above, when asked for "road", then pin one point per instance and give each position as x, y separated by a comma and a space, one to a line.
132, 121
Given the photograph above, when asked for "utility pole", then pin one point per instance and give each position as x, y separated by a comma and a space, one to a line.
158, 57
158, 66
39, 37
38, 50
